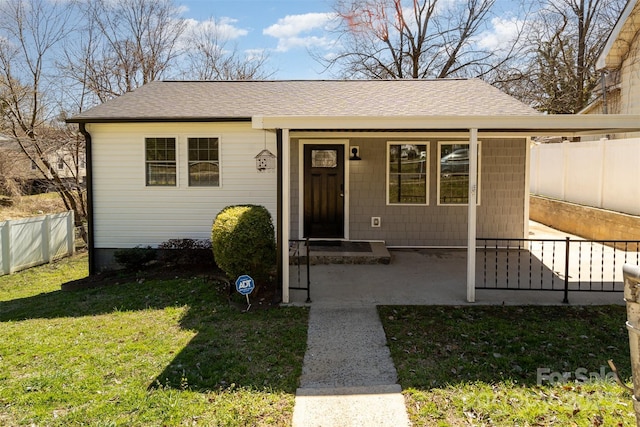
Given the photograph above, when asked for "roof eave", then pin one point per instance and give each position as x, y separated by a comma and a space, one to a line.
157, 119
509, 124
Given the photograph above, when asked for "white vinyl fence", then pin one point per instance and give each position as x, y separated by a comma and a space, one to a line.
603, 174
33, 241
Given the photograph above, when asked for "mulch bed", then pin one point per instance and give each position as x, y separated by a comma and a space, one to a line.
264, 297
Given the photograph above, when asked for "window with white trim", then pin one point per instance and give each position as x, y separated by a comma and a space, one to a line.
453, 173
160, 162
408, 173
204, 162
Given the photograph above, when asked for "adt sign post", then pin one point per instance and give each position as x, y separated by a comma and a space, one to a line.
245, 285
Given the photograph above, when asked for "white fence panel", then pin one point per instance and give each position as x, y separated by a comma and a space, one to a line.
28, 242
621, 187
552, 170
602, 174
583, 181
61, 235
4, 248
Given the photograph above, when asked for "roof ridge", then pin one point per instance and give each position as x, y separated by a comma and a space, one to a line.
319, 80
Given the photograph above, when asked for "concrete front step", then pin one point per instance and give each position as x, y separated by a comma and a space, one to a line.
340, 253
375, 406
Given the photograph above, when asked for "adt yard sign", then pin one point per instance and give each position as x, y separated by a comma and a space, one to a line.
245, 284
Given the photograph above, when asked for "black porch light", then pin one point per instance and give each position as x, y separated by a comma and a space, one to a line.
354, 154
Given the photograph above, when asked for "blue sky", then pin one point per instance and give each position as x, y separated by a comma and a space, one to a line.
288, 29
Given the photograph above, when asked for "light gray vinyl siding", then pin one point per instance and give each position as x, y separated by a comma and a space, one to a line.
127, 213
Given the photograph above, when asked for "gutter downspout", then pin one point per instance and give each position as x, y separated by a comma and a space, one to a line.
605, 107
603, 82
89, 183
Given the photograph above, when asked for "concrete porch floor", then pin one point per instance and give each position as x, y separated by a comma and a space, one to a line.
425, 277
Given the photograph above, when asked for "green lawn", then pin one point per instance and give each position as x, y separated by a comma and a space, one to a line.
481, 366
142, 352
174, 352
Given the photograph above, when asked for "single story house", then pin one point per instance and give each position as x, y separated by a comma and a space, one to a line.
394, 161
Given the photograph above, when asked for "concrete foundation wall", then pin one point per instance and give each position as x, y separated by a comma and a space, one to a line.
584, 221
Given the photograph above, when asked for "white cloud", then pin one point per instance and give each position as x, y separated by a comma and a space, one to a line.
295, 31
504, 32
255, 54
289, 43
224, 27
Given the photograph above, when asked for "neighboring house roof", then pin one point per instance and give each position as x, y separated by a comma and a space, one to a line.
206, 100
8, 143
617, 46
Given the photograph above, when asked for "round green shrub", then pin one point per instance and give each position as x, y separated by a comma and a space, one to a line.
243, 242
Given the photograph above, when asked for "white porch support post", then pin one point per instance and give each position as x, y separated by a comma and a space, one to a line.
471, 217
527, 188
286, 211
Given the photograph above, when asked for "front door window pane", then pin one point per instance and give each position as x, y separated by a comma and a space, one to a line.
324, 159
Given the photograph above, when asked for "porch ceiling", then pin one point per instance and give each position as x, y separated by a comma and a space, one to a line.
540, 125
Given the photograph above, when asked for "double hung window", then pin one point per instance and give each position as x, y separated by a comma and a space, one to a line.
408, 173
160, 159
453, 173
204, 162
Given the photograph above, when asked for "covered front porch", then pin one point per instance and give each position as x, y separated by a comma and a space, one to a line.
436, 275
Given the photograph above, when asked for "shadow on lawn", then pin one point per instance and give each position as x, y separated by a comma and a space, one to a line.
438, 345
256, 349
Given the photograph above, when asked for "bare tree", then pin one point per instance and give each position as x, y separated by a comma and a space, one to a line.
126, 44
30, 34
395, 39
558, 73
10, 174
211, 56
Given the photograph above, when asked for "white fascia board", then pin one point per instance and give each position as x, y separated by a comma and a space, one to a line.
610, 56
529, 124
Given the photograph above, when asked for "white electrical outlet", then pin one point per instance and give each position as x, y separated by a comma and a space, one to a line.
375, 221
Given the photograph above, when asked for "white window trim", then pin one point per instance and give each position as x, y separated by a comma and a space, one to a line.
144, 162
439, 156
185, 145
428, 172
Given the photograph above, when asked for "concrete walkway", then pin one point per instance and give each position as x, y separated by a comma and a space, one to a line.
348, 377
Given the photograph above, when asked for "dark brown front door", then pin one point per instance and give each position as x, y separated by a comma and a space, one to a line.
324, 191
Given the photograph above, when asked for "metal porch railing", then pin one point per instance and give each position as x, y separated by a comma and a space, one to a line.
555, 265
299, 257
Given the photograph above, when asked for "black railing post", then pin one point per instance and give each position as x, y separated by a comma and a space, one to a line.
566, 271
308, 271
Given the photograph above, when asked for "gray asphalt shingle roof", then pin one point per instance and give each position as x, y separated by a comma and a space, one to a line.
201, 100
